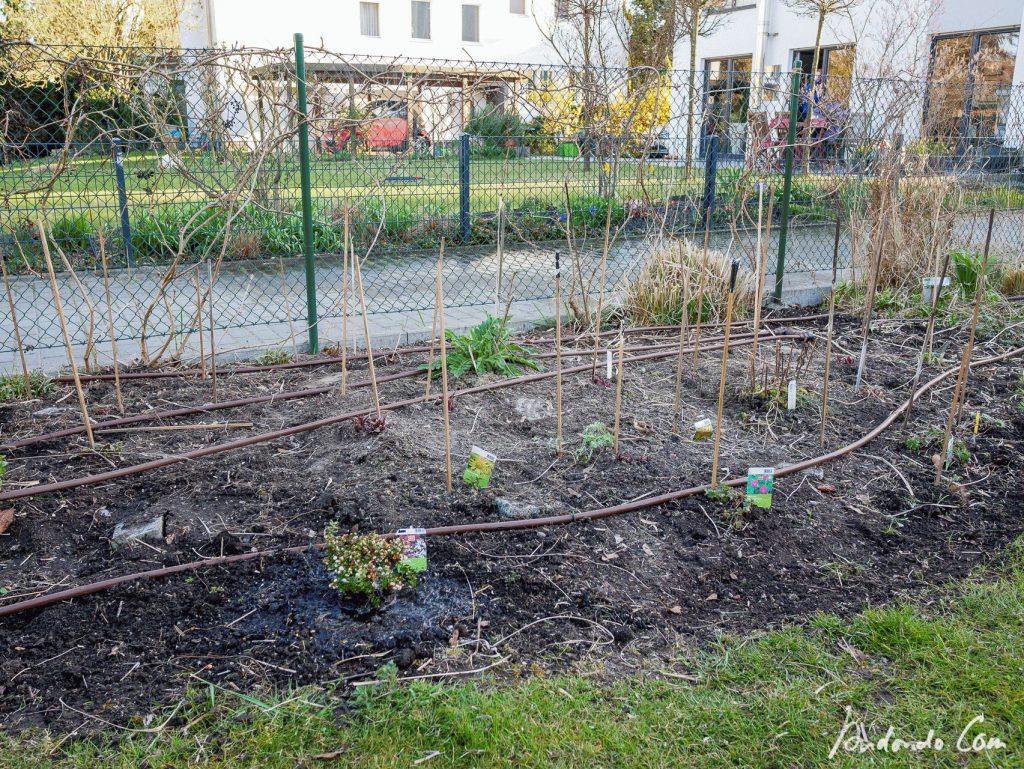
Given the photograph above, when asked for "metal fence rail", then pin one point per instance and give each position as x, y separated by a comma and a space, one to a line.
178, 157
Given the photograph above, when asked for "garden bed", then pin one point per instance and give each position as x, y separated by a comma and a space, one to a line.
615, 595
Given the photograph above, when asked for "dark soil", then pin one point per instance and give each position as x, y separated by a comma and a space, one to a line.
619, 593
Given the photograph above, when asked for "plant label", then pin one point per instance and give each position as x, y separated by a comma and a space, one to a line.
608, 365
703, 429
760, 481
791, 395
930, 286
479, 468
414, 544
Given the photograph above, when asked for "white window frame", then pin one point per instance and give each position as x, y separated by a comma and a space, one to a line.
413, 4
376, 8
475, 39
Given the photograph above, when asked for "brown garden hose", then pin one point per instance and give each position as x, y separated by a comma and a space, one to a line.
494, 526
251, 440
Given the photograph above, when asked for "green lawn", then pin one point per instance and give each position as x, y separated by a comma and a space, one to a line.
774, 700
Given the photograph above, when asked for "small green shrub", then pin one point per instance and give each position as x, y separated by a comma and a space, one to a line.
13, 387
488, 348
366, 565
721, 493
914, 443
274, 358
967, 269
596, 436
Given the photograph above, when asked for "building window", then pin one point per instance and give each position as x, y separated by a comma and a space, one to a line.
517, 6
561, 9
970, 85
369, 19
421, 19
471, 23
727, 89
834, 79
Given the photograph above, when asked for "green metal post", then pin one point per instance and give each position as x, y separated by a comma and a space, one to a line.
787, 184
307, 195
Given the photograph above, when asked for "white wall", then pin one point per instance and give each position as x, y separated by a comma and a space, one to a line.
504, 36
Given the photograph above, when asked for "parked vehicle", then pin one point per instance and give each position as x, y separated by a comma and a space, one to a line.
385, 128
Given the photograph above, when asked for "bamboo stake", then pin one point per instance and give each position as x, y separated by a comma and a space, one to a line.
288, 309
90, 343
213, 340
199, 323
961, 377
677, 407
501, 255
927, 343
17, 331
599, 317
110, 323
439, 302
430, 358
618, 392
831, 325
762, 270
725, 369
979, 295
700, 300
343, 344
67, 335
366, 332
558, 354
869, 302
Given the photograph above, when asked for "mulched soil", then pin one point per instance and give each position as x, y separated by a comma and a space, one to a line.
617, 594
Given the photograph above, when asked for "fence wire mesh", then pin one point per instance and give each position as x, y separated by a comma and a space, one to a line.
176, 157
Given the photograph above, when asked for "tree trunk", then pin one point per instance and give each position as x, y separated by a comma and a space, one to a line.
810, 96
692, 106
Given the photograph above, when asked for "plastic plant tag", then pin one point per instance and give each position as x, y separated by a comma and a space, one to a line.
414, 544
930, 285
479, 468
760, 481
608, 364
703, 429
791, 395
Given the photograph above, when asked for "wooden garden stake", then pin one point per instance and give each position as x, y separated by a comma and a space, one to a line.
926, 344
288, 309
213, 341
17, 331
762, 269
67, 335
430, 358
961, 377
343, 344
979, 295
558, 353
439, 301
110, 323
598, 318
366, 332
725, 369
618, 391
831, 326
501, 254
869, 302
700, 300
199, 323
677, 407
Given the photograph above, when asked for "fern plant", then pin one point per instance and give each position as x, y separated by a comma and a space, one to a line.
488, 348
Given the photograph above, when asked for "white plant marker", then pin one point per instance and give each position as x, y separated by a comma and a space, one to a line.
791, 399
608, 365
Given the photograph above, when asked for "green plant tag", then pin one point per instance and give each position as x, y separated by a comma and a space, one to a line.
703, 429
414, 544
479, 468
760, 481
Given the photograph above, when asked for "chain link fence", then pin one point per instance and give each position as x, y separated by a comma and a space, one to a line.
161, 160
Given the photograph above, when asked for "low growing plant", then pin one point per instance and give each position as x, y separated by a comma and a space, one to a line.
367, 565
596, 436
488, 348
13, 387
274, 358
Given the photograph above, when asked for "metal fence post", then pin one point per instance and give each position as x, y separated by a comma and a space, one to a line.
122, 201
710, 178
464, 186
787, 184
307, 195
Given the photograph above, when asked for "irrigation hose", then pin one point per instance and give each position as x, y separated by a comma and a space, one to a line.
328, 361
251, 440
258, 399
43, 601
